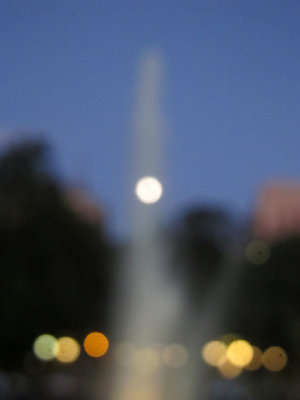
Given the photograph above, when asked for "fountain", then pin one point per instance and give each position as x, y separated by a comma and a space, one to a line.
148, 306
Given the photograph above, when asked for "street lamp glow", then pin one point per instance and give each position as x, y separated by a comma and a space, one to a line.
45, 347
68, 350
148, 190
240, 353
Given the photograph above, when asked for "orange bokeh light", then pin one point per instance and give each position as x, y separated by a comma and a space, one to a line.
96, 344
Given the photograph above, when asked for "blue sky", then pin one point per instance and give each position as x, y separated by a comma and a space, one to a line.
68, 68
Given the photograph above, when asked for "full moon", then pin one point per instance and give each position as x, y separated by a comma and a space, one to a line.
148, 190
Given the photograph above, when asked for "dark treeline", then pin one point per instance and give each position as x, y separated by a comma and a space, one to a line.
54, 266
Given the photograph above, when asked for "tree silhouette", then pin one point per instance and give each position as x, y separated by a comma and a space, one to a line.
54, 266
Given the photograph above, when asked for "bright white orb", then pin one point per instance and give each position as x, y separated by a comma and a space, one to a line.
148, 190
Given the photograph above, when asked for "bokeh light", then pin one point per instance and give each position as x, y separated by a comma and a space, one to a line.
147, 360
256, 361
214, 353
68, 350
239, 353
125, 354
230, 371
257, 252
148, 190
175, 355
274, 358
96, 344
45, 347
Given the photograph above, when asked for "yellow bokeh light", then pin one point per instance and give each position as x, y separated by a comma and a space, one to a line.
96, 344
256, 361
239, 353
214, 353
45, 347
175, 355
147, 360
148, 190
68, 350
125, 354
257, 252
274, 358
230, 371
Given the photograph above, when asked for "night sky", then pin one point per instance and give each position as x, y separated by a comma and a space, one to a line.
231, 98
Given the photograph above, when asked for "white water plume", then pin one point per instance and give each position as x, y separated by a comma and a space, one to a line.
149, 304
151, 310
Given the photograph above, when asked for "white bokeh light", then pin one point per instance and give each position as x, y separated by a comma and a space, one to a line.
148, 190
